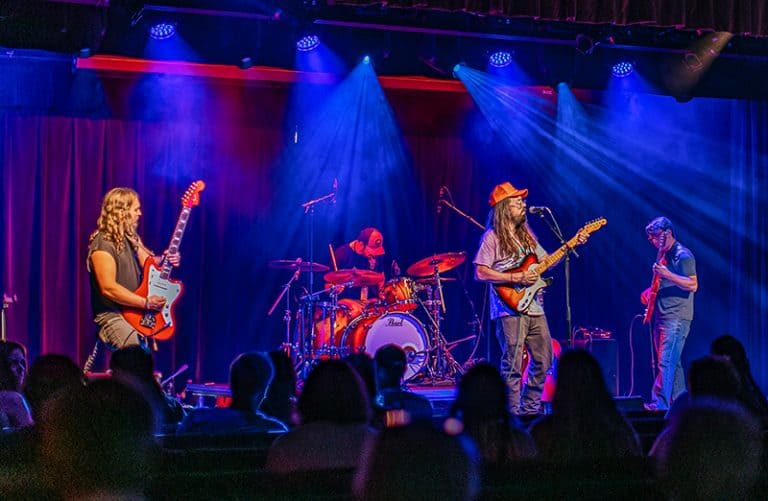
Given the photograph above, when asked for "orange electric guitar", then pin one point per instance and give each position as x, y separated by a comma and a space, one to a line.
519, 297
156, 281
660, 260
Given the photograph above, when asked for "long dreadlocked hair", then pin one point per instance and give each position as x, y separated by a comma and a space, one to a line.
510, 234
111, 222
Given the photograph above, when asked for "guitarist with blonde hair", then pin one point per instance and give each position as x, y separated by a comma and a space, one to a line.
670, 309
115, 258
507, 248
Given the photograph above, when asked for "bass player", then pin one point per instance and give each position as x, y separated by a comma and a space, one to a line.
504, 247
672, 309
115, 258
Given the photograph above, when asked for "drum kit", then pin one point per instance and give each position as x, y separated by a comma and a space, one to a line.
328, 326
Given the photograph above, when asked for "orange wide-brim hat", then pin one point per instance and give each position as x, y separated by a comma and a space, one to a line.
505, 190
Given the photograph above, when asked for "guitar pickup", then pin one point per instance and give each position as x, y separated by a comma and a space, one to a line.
148, 320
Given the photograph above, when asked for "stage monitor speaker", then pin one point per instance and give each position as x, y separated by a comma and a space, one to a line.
607, 354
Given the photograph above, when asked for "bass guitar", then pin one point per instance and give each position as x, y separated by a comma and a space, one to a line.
156, 281
519, 297
656, 282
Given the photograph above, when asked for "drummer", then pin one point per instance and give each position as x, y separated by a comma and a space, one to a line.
366, 252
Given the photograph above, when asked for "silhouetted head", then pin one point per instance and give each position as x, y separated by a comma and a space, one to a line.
390, 365
362, 363
48, 375
580, 385
729, 346
134, 361
13, 365
482, 396
249, 377
334, 392
713, 376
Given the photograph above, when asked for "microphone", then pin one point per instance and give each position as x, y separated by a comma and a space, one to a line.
440, 200
537, 210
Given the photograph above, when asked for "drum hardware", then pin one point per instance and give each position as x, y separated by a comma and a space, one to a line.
297, 264
441, 366
286, 288
358, 278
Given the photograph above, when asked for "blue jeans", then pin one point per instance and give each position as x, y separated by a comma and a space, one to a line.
670, 335
515, 334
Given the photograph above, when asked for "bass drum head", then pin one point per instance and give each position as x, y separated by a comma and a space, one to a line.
401, 329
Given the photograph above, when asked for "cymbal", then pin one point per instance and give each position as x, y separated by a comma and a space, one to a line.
358, 278
432, 280
444, 262
294, 264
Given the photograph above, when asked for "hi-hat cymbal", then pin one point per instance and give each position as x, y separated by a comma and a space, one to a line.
433, 280
358, 278
444, 262
294, 264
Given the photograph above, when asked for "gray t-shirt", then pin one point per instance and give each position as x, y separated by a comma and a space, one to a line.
128, 272
672, 301
489, 254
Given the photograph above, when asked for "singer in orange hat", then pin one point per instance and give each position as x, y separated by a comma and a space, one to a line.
507, 257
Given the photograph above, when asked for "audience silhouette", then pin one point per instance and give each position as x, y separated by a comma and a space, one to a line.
249, 377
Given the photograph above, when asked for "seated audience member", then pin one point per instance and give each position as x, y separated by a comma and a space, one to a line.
417, 462
390, 364
280, 401
97, 442
750, 394
334, 411
481, 411
362, 363
713, 452
14, 411
585, 423
708, 377
249, 378
134, 367
48, 375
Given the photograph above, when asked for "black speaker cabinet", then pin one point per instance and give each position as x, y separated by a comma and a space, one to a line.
607, 354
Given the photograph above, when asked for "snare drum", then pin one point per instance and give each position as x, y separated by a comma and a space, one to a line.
369, 333
399, 294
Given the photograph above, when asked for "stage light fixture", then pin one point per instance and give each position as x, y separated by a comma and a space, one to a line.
500, 59
162, 31
308, 43
367, 60
622, 69
245, 63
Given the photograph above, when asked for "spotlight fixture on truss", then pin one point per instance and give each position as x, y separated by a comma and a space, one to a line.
162, 30
622, 69
307, 43
500, 59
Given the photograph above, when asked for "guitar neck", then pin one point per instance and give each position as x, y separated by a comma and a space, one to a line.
178, 233
556, 256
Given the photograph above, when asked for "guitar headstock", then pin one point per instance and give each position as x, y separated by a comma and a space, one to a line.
594, 225
191, 197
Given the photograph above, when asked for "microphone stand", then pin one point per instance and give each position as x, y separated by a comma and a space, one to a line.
7, 301
461, 213
559, 235
309, 208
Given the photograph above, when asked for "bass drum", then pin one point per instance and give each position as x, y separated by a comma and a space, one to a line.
366, 334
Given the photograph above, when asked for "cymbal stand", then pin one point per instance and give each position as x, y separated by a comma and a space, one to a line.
442, 367
287, 314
